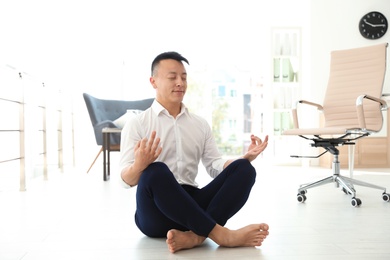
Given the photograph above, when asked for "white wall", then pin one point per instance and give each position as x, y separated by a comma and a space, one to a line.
96, 45
334, 25
105, 47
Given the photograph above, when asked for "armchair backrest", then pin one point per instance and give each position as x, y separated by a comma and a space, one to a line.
107, 109
355, 72
103, 112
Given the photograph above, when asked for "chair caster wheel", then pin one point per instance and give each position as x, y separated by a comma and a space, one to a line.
386, 197
301, 198
356, 202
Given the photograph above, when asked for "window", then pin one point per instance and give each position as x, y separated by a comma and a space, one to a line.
221, 91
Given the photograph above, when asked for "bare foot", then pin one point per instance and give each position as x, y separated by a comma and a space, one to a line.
251, 235
178, 240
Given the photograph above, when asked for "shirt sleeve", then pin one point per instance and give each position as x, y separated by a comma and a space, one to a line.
211, 159
130, 136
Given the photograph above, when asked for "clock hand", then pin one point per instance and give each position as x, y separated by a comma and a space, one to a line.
374, 25
378, 25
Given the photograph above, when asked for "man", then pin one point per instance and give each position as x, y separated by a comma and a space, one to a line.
160, 152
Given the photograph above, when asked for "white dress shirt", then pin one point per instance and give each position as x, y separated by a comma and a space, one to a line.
185, 140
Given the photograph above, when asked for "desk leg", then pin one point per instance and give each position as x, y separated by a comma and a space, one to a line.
108, 157
106, 137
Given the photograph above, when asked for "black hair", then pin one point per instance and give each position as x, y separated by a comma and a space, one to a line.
167, 55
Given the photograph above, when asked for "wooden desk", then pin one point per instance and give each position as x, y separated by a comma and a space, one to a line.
107, 148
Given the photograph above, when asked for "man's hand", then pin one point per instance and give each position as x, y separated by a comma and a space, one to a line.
146, 151
256, 147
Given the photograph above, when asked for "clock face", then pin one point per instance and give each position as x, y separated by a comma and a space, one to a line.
373, 25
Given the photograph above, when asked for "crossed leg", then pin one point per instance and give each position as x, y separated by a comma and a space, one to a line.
248, 236
204, 212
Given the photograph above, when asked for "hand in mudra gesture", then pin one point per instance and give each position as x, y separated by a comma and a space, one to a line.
256, 147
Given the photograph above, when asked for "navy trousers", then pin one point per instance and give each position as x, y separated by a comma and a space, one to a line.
164, 204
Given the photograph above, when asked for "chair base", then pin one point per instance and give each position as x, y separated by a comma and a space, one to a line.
346, 183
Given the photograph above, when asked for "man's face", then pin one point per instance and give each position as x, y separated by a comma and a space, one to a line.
170, 82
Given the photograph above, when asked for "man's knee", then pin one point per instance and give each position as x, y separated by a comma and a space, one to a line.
155, 171
245, 170
243, 165
156, 166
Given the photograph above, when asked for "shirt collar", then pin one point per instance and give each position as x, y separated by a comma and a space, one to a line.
158, 108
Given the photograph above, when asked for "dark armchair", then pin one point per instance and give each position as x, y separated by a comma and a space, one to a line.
103, 113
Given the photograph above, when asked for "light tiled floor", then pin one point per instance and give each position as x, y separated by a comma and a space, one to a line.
78, 216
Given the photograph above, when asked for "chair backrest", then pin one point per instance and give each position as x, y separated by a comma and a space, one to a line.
107, 109
355, 72
103, 112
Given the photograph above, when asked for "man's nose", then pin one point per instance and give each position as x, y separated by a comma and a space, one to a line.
179, 82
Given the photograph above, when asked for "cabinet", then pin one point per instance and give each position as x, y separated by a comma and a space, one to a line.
284, 90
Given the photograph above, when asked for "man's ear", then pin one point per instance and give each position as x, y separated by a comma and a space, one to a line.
153, 82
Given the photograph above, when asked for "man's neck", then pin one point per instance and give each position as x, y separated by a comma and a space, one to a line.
173, 109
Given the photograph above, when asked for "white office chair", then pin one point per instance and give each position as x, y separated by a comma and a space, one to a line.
352, 109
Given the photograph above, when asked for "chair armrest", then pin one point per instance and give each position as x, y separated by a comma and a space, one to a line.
295, 110
386, 97
360, 109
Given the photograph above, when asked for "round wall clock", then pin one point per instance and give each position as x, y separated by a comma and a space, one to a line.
373, 25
